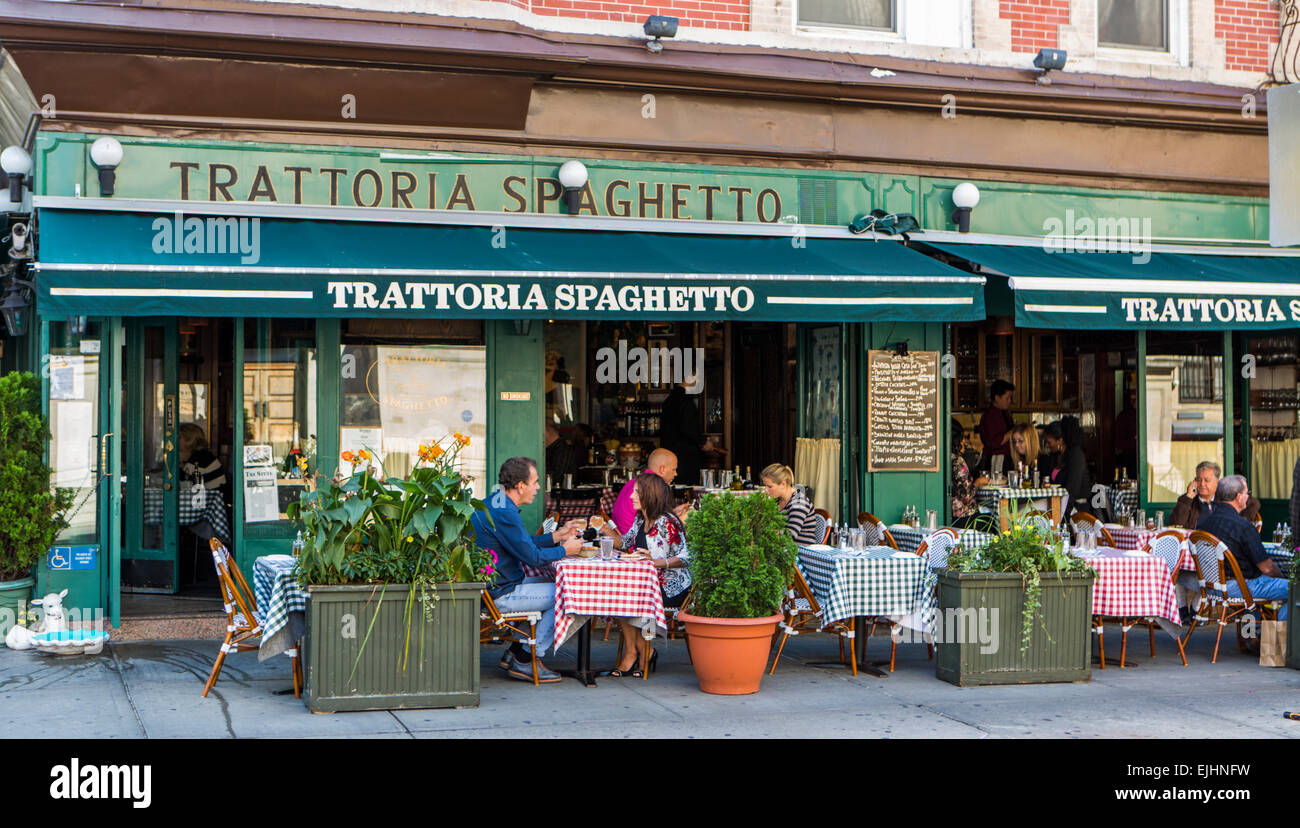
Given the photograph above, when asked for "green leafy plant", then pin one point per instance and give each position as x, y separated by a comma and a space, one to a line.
31, 512
742, 559
1026, 548
368, 528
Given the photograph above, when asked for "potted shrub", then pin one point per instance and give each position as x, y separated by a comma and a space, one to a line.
1032, 595
742, 562
31, 512
394, 577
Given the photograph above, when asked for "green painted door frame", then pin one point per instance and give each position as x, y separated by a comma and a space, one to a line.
516, 366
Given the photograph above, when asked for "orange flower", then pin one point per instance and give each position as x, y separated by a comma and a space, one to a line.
426, 453
462, 439
435, 452
349, 457
363, 454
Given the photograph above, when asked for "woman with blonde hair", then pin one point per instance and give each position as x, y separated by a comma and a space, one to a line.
800, 522
1025, 448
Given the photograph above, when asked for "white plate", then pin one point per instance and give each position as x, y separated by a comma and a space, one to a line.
1133, 553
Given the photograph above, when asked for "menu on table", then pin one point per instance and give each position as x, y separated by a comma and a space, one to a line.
902, 411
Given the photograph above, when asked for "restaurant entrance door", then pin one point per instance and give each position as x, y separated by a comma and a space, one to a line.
174, 489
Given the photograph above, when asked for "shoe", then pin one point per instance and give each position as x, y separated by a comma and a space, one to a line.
652, 664
524, 672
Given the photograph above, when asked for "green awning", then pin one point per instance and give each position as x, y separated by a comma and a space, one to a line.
99, 257
1163, 287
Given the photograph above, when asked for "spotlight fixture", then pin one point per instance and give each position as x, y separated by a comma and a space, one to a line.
19, 249
900, 348
657, 26
964, 197
16, 163
106, 153
1047, 60
573, 177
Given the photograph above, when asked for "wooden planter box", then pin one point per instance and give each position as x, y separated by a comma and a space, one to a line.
444, 674
1061, 653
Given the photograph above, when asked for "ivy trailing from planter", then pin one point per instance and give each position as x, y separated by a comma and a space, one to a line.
370, 528
742, 559
1026, 548
31, 512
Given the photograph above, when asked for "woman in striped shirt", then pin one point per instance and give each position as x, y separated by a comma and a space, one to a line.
800, 521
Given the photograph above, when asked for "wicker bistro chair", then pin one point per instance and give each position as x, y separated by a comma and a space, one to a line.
822, 520
1083, 520
495, 625
243, 620
937, 547
804, 614
1210, 554
877, 534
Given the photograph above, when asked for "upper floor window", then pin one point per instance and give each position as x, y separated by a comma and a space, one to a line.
857, 14
1133, 24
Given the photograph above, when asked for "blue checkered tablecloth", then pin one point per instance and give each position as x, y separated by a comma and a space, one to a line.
990, 496
190, 510
909, 540
1282, 557
282, 602
877, 581
1121, 500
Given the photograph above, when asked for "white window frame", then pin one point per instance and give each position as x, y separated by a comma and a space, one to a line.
898, 34
1179, 51
913, 24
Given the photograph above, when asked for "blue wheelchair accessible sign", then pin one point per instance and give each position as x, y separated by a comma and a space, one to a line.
72, 558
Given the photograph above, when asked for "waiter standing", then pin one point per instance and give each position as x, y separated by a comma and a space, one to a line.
995, 425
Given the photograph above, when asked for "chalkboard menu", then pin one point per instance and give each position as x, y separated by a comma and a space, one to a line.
903, 411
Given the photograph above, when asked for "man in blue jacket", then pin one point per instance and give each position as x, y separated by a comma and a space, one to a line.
515, 547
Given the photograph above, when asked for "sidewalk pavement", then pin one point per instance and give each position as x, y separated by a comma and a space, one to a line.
151, 689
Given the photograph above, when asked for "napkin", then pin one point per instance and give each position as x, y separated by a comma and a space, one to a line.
1136, 554
904, 555
819, 547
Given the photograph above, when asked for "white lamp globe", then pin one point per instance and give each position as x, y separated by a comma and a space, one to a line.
15, 161
573, 175
106, 151
965, 195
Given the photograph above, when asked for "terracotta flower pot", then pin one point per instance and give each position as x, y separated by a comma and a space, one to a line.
729, 654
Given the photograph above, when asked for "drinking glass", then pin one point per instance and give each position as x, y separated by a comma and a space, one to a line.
859, 539
607, 548
568, 481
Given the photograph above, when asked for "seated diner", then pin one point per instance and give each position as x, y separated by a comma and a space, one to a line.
800, 521
658, 532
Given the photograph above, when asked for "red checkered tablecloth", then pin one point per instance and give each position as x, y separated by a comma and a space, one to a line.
1131, 538
589, 587
1131, 586
570, 509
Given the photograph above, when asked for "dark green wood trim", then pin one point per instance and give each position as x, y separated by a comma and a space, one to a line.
328, 389
111, 350
133, 408
237, 446
1229, 426
1141, 470
171, 388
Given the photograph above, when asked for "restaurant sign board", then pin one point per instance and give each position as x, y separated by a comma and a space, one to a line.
902, 411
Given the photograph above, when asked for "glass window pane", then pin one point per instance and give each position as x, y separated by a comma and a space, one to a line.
865, 14
1140, 24
1184, 410
74, 425
279, 413
822, 412
396, 397
1274, 400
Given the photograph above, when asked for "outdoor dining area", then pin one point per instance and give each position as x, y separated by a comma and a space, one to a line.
873, 583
